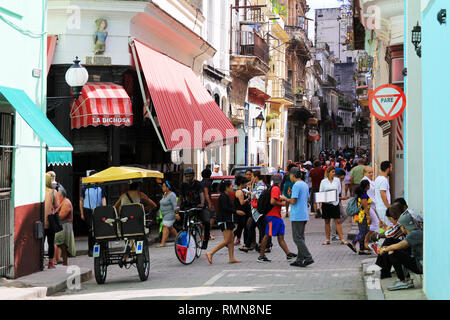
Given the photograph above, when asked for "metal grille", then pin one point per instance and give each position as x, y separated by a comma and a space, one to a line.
5, 193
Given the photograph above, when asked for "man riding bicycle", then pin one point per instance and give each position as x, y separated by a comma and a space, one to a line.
193, 196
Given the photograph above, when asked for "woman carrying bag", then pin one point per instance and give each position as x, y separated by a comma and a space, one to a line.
51, 219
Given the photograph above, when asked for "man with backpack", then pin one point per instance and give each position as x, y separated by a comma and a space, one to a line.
269, 204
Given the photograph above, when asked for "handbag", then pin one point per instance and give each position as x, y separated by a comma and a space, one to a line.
53, 219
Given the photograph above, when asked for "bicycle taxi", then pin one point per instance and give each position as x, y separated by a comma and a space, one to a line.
129, 225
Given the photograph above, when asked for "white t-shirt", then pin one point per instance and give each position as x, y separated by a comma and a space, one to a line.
382, 183
217, 174
326, 185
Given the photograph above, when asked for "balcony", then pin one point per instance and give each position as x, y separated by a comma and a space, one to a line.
282, 92
250, 55
236, 114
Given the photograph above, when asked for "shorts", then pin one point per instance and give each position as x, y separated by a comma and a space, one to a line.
168, 223
330, 211
226, 226
274, 226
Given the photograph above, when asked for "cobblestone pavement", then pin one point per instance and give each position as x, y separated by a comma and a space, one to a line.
336, 274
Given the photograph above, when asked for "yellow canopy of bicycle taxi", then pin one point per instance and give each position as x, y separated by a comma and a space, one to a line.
122, 173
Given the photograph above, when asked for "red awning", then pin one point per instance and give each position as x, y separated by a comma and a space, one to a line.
188, 115
51, 45
102, 104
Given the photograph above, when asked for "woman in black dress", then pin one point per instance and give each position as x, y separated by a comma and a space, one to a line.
226, 221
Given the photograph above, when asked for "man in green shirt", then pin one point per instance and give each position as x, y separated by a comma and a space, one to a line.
357, 174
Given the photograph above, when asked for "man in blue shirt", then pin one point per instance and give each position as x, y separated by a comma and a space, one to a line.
91, 198
299, 216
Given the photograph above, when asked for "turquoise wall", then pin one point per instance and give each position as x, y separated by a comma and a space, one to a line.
436, 134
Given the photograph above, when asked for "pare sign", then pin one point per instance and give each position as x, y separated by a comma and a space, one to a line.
387, 102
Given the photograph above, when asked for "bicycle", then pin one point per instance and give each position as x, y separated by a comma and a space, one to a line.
188, 243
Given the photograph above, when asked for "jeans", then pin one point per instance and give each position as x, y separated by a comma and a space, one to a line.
383, 261
298, 235
261, 224
204, 217
402, 258
88, 218
50, 235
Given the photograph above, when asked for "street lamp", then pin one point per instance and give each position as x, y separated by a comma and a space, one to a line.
259, 120
76, 77
417, 39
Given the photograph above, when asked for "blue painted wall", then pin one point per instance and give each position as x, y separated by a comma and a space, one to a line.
436, 135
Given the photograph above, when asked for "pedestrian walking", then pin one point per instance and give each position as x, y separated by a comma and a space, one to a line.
331, 210
91, 198
287, 185
347, 182
362, 218
226, 217
274, 223
316, 176
299, 216
356, 174
242, 202
209, 210
382, 191
65, 239
167, 205
51, 205
257, 218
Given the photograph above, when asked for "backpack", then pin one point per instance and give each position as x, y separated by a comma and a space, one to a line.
352, 207
264, 205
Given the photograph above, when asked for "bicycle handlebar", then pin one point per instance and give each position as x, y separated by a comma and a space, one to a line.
190, 210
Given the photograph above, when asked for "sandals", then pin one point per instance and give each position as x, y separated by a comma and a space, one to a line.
344, 243
327, 242
244, 249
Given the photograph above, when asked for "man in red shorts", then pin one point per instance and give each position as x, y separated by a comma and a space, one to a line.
274, 222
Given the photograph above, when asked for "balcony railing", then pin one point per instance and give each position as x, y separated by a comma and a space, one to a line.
249, 43
298, 23
282, 89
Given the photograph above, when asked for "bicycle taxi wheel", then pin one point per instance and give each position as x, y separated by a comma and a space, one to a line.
185, 247
143, 262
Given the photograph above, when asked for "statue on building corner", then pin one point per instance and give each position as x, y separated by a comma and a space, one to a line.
100, 36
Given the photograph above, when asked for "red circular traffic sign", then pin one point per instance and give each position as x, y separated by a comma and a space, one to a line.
387, 102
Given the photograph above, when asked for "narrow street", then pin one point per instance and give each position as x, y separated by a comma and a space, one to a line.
336, 274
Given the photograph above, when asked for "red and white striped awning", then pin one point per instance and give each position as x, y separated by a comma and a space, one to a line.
187, 114
102, 104
51, 45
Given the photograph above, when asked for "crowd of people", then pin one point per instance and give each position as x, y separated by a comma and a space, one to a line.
250, 203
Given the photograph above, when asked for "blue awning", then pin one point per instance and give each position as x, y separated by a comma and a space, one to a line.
59, 150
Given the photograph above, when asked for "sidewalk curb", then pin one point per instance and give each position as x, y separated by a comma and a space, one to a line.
372, 281
34, 289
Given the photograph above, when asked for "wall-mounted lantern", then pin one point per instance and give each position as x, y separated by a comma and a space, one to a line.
417, 39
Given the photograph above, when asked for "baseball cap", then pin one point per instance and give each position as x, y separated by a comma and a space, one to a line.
407, 221
216, 166
307, 163
277, 178
294, 170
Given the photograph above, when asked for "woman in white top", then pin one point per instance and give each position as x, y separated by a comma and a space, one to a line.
347, 182
375, 219
331, 210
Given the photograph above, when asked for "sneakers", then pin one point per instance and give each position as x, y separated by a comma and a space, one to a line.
302, 264
51, 265
364, 253
237, 242
291, 256
211, 237
373, 247
400, 285
334, 238
263, 259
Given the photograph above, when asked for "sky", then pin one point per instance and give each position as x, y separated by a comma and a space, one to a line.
318, 4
